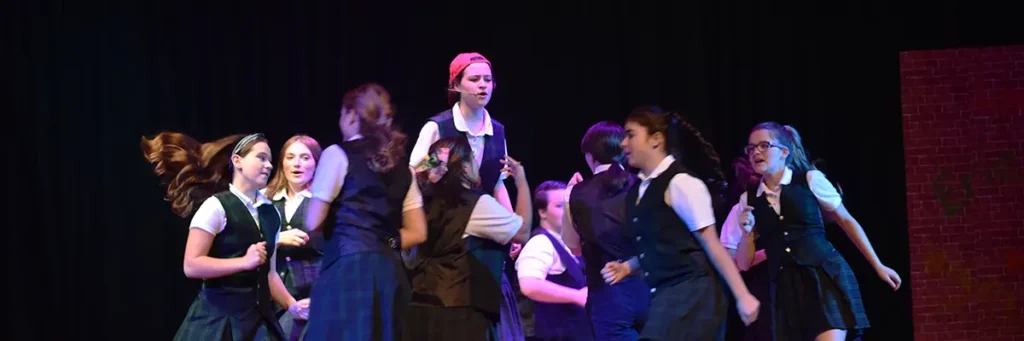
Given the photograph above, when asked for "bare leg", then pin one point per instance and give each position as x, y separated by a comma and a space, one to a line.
832, 335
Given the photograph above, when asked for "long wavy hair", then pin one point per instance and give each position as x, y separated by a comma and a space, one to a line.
372, 104
280, 181
192, 171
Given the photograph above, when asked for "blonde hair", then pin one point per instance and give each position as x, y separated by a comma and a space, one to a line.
280, 181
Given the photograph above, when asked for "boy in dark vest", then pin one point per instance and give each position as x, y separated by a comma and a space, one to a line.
595, 222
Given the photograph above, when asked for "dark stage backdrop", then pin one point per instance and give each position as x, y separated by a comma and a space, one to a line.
92, 251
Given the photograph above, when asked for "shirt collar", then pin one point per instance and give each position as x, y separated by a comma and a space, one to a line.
787, 177
283, 194
667, 161
602, 168
460, 122
260, 198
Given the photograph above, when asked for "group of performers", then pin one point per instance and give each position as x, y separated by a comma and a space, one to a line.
364, 241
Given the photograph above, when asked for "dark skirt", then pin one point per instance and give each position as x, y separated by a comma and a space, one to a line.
619, 312
690, 310
291, 328
812, 300
430, 323
757, 281
510, 328
298, 278
359, 297
300, 275
208, 319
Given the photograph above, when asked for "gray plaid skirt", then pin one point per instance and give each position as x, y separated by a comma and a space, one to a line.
810, 300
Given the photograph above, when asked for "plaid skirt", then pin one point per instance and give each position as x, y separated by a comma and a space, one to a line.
208, 319
690, 310
511, 327
811, 300
291, 328
359, 297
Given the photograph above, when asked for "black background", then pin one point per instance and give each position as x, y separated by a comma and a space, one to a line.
93, 252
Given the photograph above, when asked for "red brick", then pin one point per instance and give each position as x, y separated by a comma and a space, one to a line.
962, 111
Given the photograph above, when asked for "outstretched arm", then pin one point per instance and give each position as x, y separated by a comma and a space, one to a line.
856, 234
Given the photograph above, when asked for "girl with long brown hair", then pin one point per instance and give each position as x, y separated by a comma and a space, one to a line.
672, 212
816, 294
362, 292
230, 235
299, 255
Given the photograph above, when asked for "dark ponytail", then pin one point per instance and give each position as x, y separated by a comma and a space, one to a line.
680, 137
710, 170
603, 141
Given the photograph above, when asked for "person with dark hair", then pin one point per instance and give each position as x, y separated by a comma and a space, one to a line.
595, 223
299, 255
744, 177
456, 273
362, 292
816, 295
550, 275
671, 211
470, 88
230, 235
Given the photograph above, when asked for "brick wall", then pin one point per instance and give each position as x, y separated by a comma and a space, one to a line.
963, 122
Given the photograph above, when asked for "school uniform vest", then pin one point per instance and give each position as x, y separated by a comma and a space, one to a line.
298, 266
599, 215
494, 147
669, 253
368, 211
797, 235
238, 292
446, 272
566, 321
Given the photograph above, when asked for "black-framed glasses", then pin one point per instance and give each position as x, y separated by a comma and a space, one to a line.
760, 146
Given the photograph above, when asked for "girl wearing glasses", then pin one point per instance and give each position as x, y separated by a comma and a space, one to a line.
816, 294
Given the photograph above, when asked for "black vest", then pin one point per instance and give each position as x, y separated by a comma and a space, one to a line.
445, 272
298, 266
368, 211
241, 291
599, 216
494, 148
669, 252
562, 321
797, 236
